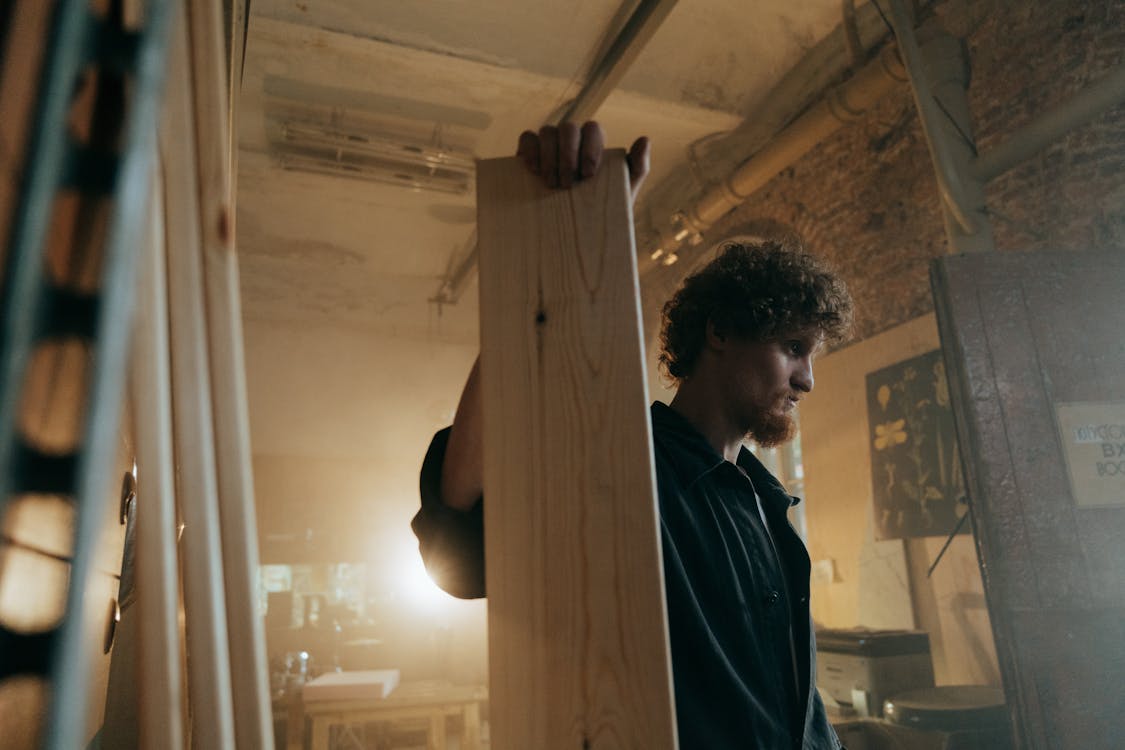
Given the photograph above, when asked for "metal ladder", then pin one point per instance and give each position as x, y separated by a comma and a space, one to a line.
36, 310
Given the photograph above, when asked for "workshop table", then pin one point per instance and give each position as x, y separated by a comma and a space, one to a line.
430, 701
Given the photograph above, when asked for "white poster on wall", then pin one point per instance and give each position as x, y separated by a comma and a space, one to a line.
1093, 440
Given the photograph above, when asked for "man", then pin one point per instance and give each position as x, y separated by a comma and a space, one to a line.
738, 339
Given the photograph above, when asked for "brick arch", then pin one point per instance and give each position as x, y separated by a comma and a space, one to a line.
753, 230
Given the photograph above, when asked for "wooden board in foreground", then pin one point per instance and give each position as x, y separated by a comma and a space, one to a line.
577, 624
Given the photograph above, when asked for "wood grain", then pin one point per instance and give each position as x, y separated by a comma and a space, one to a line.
430, 703
209, 678
577, 621
161, 682
228, 410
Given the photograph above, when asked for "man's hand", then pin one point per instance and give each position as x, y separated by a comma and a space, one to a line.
566, 154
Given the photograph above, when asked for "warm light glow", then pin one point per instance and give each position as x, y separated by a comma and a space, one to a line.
417, 586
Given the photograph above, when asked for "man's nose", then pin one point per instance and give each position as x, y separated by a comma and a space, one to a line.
802, 379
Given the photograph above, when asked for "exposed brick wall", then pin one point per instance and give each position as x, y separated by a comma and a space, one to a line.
1071, 196
866, 198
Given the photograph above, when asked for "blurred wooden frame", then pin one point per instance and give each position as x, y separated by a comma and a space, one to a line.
227, 675
190, 219
211, 315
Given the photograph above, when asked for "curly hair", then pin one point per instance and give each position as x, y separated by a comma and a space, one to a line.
755, 291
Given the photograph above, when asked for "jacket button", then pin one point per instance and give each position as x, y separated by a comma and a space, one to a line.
773, 597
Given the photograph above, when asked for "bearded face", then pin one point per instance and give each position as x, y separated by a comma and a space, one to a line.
764, 381
771, 429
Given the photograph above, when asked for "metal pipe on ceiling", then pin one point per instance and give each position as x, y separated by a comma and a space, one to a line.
622, 52
857, 95
841, 105
848, 102
604, 76
1081, 108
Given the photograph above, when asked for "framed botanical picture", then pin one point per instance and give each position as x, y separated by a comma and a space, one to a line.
915, 461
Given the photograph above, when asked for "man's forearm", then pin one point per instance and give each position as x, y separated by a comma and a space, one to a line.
462, 473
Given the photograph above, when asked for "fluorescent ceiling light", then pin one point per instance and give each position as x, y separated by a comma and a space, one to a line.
371, 156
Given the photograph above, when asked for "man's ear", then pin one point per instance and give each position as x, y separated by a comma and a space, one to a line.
716, 336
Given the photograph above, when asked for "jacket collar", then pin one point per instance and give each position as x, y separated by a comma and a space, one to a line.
695, 457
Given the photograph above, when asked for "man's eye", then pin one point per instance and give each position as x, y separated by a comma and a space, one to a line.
794, 348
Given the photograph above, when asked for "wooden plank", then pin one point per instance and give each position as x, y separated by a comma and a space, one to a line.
470, 727
577, 624
320, 727
295, 724
435, 738
209, 678
229, 410
159, 714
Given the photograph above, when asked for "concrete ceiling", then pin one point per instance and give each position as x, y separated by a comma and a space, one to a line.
337, 251
346, 353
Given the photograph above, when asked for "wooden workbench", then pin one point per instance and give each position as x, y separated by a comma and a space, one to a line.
427, 701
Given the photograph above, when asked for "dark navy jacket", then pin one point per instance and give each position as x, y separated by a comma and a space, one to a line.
743, 650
